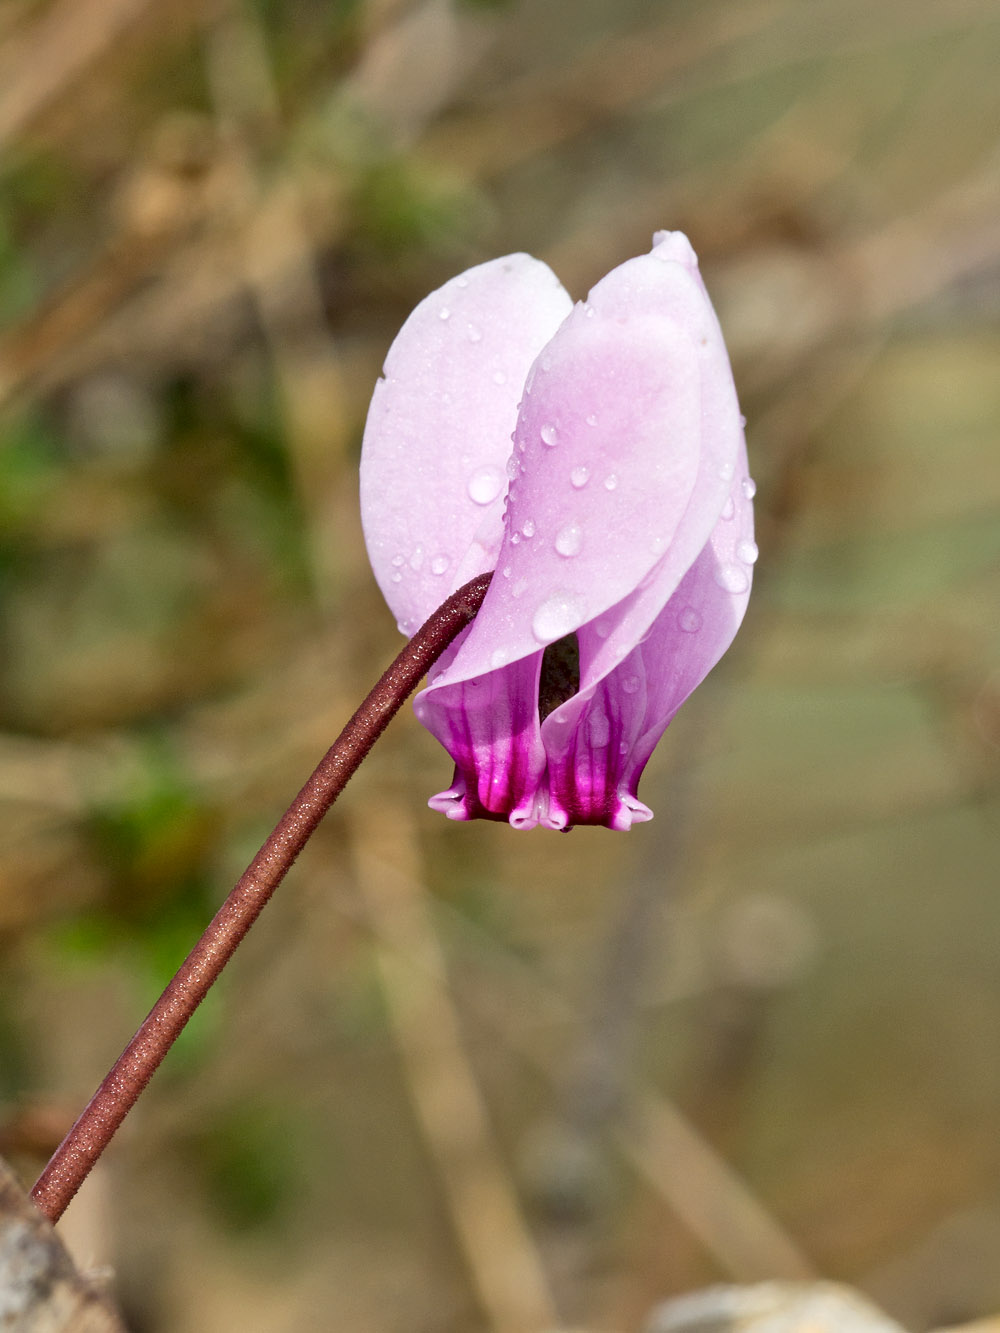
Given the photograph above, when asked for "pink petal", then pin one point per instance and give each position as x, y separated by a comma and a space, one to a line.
437, 440
489, 726
598, 742
614, 404
627, 444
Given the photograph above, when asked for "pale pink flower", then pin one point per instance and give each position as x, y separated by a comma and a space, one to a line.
620, 524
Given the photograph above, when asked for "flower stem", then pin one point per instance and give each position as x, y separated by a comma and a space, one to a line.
96, 1125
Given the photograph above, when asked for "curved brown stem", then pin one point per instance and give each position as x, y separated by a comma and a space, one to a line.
116, 1096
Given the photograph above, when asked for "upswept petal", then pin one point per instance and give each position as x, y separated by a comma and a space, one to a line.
638, 663
606, 455
433, 463
598, 742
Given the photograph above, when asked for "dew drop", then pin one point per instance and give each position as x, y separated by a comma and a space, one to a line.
610, 483
732, 578
444, 313
689, 620
743, 420
658, 545
515, 538
499, 377
747, 552
630, 684
506, 571
475, 334
727, 470
569, 540
398, 560
528, 527
579, 476
557, 615
485, 485
550, 435
439, 564
598, 730
396, 576
591, 420
749, 487
728, 509
417, 558
498, 657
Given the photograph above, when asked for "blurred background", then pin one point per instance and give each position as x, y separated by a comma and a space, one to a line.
461, 1078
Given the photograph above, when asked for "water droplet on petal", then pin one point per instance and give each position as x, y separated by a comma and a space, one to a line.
485, 485
727, 470
475, 334
743, 420
461, 282
528, 527
689, 620
417, 558
569, 539
444, 313
591, 420
747, 552
520, 588
498, 657
579, 476
499, 377
557, 615
550, 435
598, 730
610, 482
396, 576
748, 487
728, 509
630, 684
506, 571
515, 538
732, 578
440, 564
658, 545
398, 560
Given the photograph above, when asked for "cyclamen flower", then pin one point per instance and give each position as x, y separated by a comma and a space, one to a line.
620, 525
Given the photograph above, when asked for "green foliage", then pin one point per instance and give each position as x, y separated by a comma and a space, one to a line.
30, 469
251, 1160
400, 208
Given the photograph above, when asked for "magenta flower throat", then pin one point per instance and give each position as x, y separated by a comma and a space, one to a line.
593, 456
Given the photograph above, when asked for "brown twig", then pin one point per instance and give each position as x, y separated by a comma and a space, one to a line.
133, 1069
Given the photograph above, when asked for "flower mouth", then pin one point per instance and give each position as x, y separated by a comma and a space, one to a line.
560, 675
